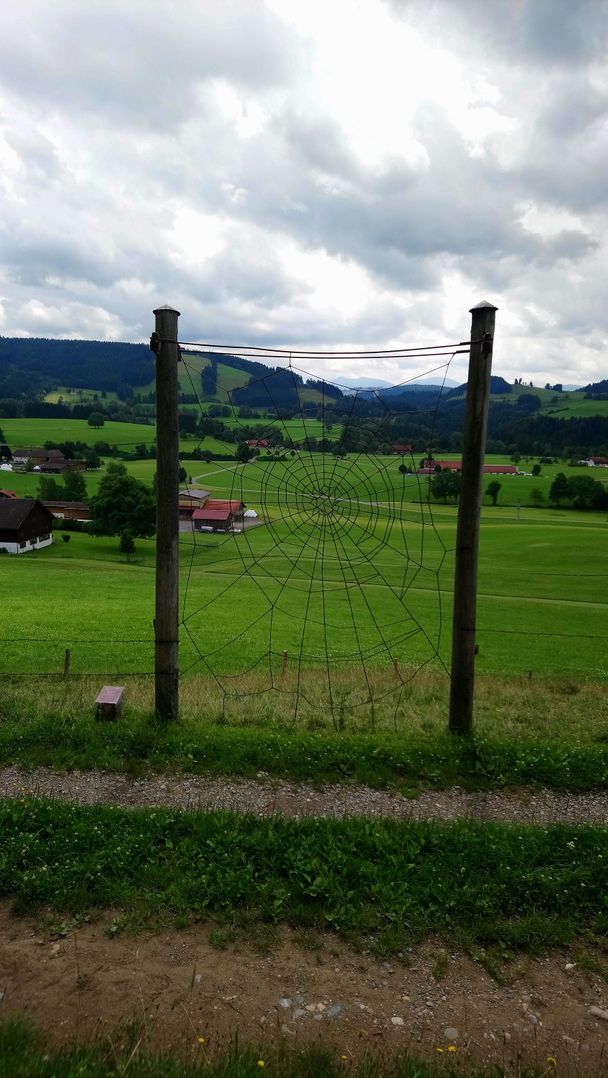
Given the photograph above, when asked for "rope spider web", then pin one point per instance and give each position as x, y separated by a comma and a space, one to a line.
330, 595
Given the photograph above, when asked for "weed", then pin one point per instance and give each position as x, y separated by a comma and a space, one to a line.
440, 966
26, 1053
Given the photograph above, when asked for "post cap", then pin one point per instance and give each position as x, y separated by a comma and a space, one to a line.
483, 305
166, 307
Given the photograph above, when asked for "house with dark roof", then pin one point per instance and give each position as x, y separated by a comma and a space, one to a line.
429, 467
189, 500
25, 524
63, 510
595, 462
46, 460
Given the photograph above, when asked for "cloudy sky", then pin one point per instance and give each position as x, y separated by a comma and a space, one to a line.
310, 174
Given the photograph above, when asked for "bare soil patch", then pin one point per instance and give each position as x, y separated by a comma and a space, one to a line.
176, 988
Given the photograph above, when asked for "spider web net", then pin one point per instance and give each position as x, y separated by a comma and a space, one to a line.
326, 589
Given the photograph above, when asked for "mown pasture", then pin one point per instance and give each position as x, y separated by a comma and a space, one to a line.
542, 603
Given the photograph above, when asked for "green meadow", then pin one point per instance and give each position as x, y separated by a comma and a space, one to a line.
35, 432
370, 588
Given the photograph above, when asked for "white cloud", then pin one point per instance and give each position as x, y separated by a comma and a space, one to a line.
309, 174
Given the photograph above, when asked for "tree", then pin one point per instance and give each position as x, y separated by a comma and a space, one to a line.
92, 461
559, 488
187, 422
244, 452
529, 402
446, 485
582, 489
49, 490
493, 490
74, 486
127, 544
122, 504
536, 469
96, 420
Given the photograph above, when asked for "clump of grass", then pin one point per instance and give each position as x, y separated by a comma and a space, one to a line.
26, 1053
513, 744
386, 882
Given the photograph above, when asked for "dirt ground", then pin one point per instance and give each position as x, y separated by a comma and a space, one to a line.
176, 988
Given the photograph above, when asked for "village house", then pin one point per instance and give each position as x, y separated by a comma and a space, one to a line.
595, 462
217, 515
7, 493
46, 460
430, 466
402, 450
63, 510
257, 443
25, 524
189, 500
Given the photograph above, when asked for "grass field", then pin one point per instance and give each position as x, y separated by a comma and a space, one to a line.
562, 405
542, 605
35, 432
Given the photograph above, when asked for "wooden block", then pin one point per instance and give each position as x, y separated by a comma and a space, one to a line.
109, 703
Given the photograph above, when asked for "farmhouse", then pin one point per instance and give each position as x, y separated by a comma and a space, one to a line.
429, 467
7, 493
25, 524
46, 460
189, 500
217, 515
257, 443
62, 510
402, 450
595, 462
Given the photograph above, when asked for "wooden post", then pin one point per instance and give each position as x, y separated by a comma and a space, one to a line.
284, 658
467, 535
66, 662
166, 658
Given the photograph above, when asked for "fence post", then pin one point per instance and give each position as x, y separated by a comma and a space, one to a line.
166, 656
462, 682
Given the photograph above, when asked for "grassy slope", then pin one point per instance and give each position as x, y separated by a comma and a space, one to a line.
34, 432
542, 604
561, 405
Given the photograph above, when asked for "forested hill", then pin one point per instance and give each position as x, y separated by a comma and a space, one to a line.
31, 364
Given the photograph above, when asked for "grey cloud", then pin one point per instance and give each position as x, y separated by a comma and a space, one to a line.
135, 63
36, 152
33, 258
538, 32
573, 107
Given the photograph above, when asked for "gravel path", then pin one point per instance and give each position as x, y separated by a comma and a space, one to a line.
265, 798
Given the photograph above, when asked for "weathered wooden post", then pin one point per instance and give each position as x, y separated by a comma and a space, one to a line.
469, 510
166, 654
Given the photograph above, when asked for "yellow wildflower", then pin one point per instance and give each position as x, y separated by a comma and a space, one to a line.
452, 1048
261, 1063
552, 1061
201, 1040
